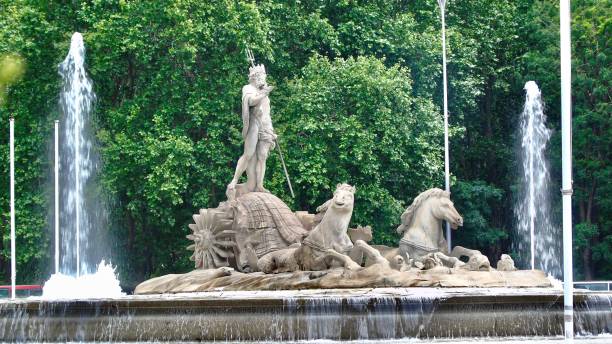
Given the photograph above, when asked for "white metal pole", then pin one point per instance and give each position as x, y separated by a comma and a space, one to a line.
56, 176
566, 151
12, 177
442, 4
77, 169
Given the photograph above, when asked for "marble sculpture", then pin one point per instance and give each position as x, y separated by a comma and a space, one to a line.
255, 241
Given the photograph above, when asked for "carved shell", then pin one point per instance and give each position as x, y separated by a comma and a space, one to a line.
213, 239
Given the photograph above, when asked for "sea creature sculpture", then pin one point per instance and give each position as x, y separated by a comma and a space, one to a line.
476, 260
422, 244
423, 240
327, 245
422, 223
239, 232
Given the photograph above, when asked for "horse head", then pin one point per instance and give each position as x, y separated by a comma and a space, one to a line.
344, 198
431, 205
331, 222
444, 209
421, 223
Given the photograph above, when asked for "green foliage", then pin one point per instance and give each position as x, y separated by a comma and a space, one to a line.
169, 76
584, 233
297, 32
358, 98
24, 31
592, 125
477, 202
356, 121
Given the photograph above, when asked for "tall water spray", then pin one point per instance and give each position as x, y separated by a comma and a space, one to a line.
537, 236
76, 101
82, 211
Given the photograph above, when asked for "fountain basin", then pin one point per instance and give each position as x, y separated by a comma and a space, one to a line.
383, 313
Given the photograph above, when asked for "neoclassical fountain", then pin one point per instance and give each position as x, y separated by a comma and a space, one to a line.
253, 241
263, 271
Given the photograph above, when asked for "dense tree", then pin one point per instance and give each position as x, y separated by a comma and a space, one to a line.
26, 32
592, 120
356, 121
169, 77
358, 99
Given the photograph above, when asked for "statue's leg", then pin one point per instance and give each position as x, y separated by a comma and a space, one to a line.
267, 263
450, 262
251, 257
346, 261
357, 255
250, 145
251, 173
263, 149
477, 261
371, 253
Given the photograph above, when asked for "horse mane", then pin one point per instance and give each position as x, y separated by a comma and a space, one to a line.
408, 215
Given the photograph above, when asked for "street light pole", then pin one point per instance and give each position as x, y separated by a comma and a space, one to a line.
12, 192
442, 4
566, 152
56, 193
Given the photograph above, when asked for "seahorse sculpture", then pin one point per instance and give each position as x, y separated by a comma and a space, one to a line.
326, 246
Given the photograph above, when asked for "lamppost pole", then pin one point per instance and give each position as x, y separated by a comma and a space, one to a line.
56, 193
12, 192
566, 152
442, 4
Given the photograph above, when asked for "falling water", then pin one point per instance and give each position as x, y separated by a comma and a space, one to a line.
446, 315
538, 238
82, 212
76, 100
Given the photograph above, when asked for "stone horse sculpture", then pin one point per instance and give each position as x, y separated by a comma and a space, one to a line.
421, 224
326, 246
423, 242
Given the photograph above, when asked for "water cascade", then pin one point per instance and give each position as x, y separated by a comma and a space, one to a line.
82, 217
536, 233
289, 316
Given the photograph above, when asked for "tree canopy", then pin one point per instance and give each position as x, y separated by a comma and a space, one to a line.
358, 99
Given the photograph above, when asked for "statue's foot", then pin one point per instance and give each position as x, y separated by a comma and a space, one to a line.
360, 243
225, 270
230, 191
261, 189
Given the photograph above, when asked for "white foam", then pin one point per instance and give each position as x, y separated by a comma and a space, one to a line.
532, 89
101, 284
557, 284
